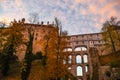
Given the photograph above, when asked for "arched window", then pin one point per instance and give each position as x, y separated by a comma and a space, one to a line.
78, 49
70, 59
84, 48
79, 71
85, 58
67, 49
78, 59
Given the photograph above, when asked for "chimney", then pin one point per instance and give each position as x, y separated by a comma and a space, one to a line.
38, 23
42, 23
48, 23
23, 20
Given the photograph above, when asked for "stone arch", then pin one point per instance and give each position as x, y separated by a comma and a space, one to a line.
79, 71
78, 59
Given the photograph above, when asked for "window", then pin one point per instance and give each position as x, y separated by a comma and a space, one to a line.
78, 59
83, 48
85, 58
86, 68
91, 43
70, 59
69, 68
78, 49
36, 38
36, 34
79, 71
64, 60
98, 41
67, 49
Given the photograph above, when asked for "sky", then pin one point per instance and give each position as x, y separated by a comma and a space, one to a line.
76, 16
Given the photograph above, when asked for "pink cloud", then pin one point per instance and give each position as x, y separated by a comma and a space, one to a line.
13, 9
72, 13
83, 12
78, 1
107, 7
93, 9
101, 1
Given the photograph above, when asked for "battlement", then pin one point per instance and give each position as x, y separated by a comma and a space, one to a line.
38, 23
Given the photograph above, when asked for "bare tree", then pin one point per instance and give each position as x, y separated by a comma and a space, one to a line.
28, 54
3, 24
110, 33
34, 18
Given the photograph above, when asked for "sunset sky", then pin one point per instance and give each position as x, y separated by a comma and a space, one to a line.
76, 16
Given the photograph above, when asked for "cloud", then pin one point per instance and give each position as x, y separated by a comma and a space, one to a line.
93, 9
78, 1
13, 9
77, 16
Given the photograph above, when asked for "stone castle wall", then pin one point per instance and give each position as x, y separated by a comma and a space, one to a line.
80, 62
